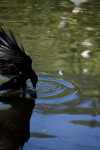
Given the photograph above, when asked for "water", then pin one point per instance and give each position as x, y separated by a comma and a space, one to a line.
63, 40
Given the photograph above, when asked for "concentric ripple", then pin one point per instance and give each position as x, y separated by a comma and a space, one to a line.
54, 90
51, 90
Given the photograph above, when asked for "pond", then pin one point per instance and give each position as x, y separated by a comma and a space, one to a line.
63, 39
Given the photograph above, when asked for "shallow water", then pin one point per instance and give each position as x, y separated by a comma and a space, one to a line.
63, 40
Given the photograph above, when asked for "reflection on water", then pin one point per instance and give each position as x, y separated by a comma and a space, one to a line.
63, 39
15, 121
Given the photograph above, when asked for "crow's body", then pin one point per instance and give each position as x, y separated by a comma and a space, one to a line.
14, 63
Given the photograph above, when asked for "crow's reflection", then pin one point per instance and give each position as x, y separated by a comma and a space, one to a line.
15, 121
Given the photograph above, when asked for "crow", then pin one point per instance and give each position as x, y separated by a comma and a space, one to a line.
15, 63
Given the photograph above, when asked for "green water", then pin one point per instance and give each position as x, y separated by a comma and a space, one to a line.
63, 39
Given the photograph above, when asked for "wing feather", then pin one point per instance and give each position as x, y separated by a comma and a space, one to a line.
13, 58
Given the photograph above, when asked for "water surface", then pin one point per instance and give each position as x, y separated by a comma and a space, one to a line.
63, 40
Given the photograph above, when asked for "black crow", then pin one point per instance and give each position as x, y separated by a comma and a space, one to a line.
15, 63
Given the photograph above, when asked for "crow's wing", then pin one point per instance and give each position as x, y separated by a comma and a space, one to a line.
13, 59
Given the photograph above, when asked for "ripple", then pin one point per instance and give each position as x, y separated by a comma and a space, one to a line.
50, 90
54, 90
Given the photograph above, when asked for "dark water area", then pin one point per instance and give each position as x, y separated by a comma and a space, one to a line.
63, 39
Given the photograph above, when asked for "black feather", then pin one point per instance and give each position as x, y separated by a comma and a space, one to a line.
15, 63
13, 59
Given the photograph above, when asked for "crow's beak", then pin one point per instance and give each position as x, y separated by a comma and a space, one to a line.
34, 78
